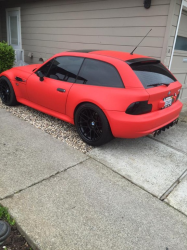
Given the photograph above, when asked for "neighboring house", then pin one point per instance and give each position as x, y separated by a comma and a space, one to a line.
38, 29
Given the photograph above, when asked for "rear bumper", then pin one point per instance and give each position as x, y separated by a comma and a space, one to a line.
134, 126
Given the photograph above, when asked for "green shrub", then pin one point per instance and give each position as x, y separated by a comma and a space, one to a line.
7, 56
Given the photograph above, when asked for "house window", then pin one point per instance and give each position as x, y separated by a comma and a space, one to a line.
181, 43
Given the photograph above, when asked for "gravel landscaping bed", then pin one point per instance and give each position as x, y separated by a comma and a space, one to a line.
59, 129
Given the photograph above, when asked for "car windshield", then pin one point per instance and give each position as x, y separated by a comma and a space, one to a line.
152, 74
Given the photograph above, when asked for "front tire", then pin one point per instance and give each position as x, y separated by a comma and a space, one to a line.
7, 94
92, 125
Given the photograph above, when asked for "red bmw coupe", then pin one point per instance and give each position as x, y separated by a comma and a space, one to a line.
105, 94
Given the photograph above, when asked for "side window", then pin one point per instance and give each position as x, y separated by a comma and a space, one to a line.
45, 68
65, 68
94, 72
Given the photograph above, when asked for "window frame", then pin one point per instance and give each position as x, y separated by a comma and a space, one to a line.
44, 65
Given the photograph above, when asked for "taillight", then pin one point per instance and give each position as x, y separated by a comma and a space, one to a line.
138, 108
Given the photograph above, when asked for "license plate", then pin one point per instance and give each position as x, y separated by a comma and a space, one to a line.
168, 101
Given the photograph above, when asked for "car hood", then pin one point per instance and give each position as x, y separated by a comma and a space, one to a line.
23, 72
27, 68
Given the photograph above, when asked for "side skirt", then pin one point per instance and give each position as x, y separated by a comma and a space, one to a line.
47, 111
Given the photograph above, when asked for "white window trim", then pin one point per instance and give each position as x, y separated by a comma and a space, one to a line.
183, 4
19, 19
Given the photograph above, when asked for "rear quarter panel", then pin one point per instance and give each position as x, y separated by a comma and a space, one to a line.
106, 98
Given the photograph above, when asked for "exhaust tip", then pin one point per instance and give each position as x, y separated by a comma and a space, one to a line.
158, 132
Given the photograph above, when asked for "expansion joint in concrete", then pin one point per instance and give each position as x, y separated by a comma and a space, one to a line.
163, 197
173, 186
45, 179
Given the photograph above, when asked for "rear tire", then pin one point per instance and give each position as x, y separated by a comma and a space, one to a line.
7, 94
92, 125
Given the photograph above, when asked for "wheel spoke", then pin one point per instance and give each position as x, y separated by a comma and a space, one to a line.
84, 115
96, 132
84, 126
83, 118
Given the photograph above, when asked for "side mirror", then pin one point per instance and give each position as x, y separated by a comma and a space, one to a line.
41, 75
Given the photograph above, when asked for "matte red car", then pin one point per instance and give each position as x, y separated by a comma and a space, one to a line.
105, 94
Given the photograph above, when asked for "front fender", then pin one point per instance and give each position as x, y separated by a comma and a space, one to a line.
19, 87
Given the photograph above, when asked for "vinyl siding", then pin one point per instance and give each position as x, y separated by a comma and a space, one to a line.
173, 29
49, 27
178, 67
177, 64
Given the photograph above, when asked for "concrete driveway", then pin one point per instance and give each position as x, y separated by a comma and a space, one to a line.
116, 197
157, 165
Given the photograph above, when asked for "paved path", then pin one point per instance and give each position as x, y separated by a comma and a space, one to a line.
157, 165
63, 199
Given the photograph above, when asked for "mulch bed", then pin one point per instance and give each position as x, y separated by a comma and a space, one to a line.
15, 241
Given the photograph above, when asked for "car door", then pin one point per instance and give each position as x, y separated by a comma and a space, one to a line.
52, 90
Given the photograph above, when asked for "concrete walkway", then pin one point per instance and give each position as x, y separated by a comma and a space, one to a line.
65, 200
157, 165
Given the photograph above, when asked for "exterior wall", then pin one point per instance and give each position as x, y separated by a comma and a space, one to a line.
173, 27
49, 27
178, 67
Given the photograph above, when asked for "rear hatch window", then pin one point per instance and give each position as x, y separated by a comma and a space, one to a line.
151, 72
156, 79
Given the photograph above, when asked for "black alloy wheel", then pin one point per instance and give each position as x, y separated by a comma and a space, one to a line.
7, 94
4, 91
92, 125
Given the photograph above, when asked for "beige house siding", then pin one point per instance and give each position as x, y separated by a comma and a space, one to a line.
177, 64
178, 67
171, 29
49, 27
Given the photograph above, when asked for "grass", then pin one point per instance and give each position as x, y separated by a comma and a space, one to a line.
4, 215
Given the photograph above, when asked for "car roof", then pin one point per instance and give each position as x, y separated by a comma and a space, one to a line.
111, 53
